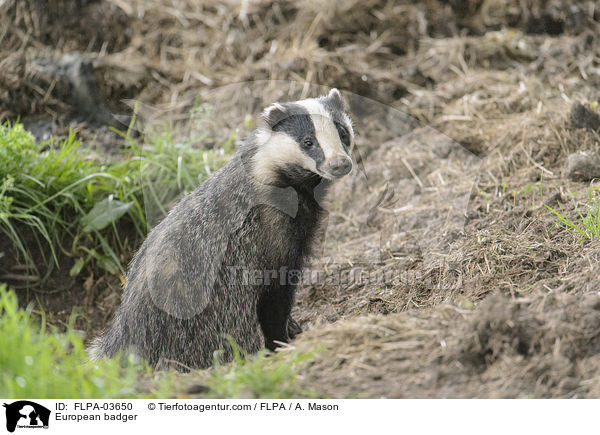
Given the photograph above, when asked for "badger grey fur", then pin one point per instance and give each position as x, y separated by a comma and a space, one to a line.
188, 288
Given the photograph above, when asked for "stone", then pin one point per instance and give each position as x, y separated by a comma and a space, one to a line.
583, 166
582, 116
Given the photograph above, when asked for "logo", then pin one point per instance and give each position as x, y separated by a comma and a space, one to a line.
26, 414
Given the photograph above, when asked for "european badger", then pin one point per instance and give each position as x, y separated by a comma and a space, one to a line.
218, 264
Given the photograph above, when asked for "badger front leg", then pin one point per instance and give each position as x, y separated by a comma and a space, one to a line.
273, 311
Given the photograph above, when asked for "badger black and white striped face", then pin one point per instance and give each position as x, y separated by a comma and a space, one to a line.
306, 138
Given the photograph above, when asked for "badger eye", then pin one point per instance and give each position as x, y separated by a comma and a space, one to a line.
307, 142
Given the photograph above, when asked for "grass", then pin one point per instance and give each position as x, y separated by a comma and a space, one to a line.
44, 363
44, 193
57, 204
264, 375
168, 167
586, 226
48, 364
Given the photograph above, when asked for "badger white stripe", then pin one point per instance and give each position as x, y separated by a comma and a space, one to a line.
326, 133
277, 150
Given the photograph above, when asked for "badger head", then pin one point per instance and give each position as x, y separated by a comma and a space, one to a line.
304, 140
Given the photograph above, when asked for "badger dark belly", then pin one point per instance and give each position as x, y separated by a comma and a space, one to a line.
277, 245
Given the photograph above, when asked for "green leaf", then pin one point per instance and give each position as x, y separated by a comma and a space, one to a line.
104, 213
108, 264
104, 261
77, 267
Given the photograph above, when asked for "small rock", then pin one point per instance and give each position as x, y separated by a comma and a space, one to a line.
583, 166
583, 116
76, 83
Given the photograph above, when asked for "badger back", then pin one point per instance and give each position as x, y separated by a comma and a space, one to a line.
181, 258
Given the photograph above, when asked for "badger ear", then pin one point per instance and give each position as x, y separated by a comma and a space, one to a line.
274, 114
335, 98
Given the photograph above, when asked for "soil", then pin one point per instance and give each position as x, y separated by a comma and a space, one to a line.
465, 112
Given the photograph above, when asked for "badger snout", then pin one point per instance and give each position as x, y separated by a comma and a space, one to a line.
339, 166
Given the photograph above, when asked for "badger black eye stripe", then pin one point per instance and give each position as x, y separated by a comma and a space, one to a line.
300, 126
297, 124
324, 119
344, 134
315, 152
339, 118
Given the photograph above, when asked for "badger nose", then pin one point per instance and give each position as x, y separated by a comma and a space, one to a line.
340, 166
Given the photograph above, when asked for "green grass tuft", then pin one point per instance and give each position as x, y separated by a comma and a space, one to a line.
39, 363
47, 191
56, 202
264, 375
169, 167
588, 226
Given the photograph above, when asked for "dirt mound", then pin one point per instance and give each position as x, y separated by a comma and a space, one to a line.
539, 345
504, 99
552, 325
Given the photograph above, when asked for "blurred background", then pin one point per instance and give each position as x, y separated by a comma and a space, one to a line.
64, 62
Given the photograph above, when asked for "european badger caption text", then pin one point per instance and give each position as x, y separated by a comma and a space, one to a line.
131, 411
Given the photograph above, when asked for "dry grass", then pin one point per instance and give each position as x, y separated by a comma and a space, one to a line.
169, 51
541, 345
